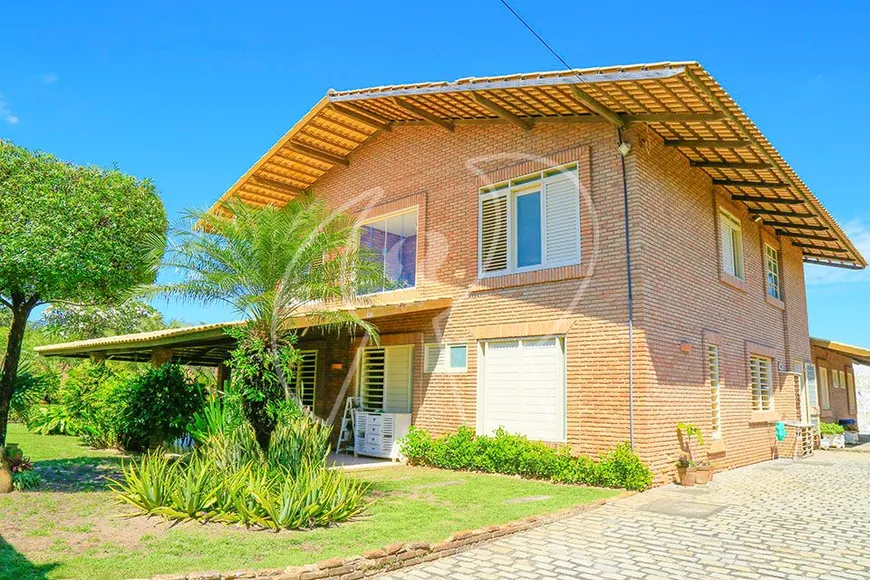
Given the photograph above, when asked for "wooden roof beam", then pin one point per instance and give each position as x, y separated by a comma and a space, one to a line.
820, 248
673, 118
804, 235
525, 124
755, 184
365, 118
788, 225
595, 106
412, 108
275, 184
781, 213
317, 154
756, 199
709, 144
730, 165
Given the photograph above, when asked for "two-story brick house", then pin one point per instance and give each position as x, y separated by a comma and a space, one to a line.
584, 257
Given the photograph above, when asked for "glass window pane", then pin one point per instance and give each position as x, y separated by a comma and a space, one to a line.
458, 357
528, 230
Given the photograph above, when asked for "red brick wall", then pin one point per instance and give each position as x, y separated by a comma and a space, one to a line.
840, 407
677, 289
684, 297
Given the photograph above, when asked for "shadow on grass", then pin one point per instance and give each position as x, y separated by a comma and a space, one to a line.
81, 474
15, 566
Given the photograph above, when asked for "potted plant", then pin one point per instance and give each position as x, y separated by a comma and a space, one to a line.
832, 436
5, 473
686, 471
700, 472
851, 434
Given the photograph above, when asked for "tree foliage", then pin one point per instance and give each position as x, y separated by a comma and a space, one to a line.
82, 322
271, 264
68, 233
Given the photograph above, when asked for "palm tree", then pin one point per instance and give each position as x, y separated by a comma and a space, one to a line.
271, 264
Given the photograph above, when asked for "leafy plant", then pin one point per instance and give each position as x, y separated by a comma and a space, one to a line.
156, 406
51, 420
26, 480
514, 454
228, 478
831, 429
268, 264
685, 433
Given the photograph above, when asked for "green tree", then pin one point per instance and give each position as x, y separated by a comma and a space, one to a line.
68, 234
270, 264
82, 322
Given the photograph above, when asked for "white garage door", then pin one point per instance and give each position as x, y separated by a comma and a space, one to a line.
522, 388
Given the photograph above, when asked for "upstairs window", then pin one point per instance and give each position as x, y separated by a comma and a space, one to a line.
731, 244
771, 270
530, 223
392, 241
761, 378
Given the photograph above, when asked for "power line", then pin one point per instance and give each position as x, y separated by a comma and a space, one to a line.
538, 36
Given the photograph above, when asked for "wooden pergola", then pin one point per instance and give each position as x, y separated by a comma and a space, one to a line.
209, 345
680, 101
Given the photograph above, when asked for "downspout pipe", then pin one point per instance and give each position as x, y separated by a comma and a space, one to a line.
624, 149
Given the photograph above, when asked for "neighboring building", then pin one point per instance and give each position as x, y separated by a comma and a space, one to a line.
504, 207
839, 376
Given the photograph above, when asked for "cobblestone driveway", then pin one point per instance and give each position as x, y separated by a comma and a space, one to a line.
778, 519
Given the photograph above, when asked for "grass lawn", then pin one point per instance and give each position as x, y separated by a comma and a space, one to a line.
70, 527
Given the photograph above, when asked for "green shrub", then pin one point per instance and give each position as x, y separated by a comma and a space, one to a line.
513, 454
156, 406
89, 398
229, 478
831, 429
51, 420
25, 480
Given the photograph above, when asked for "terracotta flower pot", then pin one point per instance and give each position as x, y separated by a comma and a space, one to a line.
704, 474
687, 476
5, 473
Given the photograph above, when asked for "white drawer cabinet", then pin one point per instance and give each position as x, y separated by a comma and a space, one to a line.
377, 434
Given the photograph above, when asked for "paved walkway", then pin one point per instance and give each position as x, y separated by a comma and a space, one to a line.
778, 519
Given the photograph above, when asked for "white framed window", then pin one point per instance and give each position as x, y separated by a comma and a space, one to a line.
842, 379
385, 378
761, 379
446, 358
771, 270
835, 375
392, 242
713, 376
521, 387
824, 389
731, 244
530, 223
306, 377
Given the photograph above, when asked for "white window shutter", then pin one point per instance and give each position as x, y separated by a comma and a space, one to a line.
562, 219
436, 357
397, 379
493, 233
727, 244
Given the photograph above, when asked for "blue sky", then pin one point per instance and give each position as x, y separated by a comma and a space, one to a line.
191, 94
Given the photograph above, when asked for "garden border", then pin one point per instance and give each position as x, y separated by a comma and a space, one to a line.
395, 556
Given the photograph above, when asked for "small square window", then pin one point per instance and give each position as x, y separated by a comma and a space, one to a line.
445, 358
458, 357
